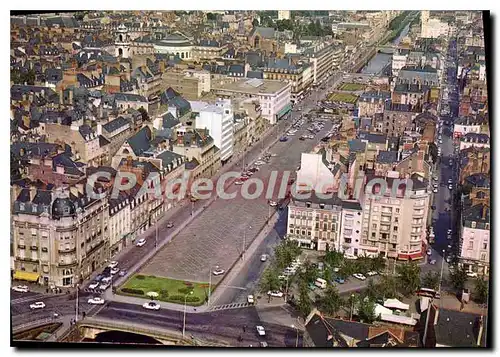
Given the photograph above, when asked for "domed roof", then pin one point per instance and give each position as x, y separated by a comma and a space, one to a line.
175, 39
63, 207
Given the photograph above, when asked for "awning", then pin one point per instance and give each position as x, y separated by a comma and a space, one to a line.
416, 256
395, 304
403, 256
25, 275
284, 110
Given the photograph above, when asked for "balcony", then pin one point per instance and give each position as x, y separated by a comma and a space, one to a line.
67, 263
28, 259
33, 247
21, 246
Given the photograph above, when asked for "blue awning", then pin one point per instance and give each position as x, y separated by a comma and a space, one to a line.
285, 110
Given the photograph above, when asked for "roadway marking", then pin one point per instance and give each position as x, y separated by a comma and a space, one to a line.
230, 306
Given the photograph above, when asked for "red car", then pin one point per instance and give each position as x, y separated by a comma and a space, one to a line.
243, 178
291, 181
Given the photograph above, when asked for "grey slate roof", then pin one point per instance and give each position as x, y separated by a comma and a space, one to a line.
169, 121
264, 32
169, 157
140, 142
457, 329
127, 97
387, 157
373, 138
356, 145
116, 124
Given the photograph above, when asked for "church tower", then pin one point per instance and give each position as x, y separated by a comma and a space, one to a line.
122, 42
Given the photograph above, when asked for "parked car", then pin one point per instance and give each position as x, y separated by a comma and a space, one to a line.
94, 285
37, 305
96, 301
283, 139
273, 203
151, 305
250, 299
170, 224
450, 187
21, 289
472, 274
372, 273
432, 262
429, 251
140, 242
218, 272
114, 271
112, 264
104, 287
261, 331
359, 276
275, 293
239, 182
122, 272
263, 257
106, 280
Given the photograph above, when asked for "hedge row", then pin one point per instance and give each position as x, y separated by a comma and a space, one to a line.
133, 291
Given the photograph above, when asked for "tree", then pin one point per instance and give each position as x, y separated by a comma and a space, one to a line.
269, 281
331, 302
409, 277
255, 22
430, 280
458, 277
378, 263
285, 253
211, 16
333, 258
304, 304
388, 286
481, 290
366, 311
144, 114
308, 274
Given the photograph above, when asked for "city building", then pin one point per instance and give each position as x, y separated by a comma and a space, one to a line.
218, 119
274, 96
283, 14
432, 28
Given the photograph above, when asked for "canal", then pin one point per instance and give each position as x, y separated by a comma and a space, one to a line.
380, 61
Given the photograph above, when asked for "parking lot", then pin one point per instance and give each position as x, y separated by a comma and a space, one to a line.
216, 236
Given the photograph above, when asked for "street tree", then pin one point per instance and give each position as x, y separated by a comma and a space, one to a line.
305, 303
331, 302
334, 258
308, 273
269, 281
481, 290
458, 277
388, 286
285, 253
409, 277
366, 311
430, 280
378, 263
144, 114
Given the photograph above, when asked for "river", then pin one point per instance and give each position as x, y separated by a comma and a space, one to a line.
381, 60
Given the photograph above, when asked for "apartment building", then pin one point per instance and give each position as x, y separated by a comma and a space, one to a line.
371, 103
475, 237
60, 236
274, 96
300, 75
192, 84
350, 229
116, 131
394, 225
321, 58
314, 223
218, 119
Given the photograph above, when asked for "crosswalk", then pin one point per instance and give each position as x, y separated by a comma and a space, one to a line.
230, 306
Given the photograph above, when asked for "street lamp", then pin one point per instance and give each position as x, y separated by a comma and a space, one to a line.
297, 338
76, 303
352, 306
210, 283
185, 303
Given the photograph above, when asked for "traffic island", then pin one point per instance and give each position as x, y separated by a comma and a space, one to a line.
165, 289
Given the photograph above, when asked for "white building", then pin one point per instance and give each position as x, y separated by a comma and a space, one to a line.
432, 28
351, 228
218, 119
274, 96
475, 238
314, 173
398, 62
119, 222
283, 14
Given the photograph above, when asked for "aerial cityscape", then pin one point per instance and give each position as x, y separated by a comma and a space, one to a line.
250, 179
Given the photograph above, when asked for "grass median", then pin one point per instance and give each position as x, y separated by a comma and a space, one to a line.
168, 290
342, 97
352, 87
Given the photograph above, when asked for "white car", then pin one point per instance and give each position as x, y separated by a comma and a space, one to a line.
450, 187
94, 285
336, 270
250, 299
217, 272
37, 305
106, 280
103, 287
471, 274
114, 271
170, 225
359, 276
432, 262
429, 251
435, 190
96, 301
113, 264
263, 257
273, 203
151, 305
261, 331
275, 293
372, 273
141, 242
259, 163
239, 183
21, 289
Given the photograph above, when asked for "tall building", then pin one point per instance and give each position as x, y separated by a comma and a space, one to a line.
218, 119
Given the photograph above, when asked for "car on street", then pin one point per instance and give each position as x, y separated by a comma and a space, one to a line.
429, 251
194, 198
359, 276
340, 280
432, 262
259, 163
435, 190
96, 301
275, 293
114, 271
450, 187
218, 272
106, 280
140, 243
94, 285
273, 203
261, 331
372, 273
283, 139
336, 270
122, 272
450, 181
253, 169
448, 259
105, 286
472, 274
112, 264
37, 305
21, 289
263, 257
151, 305
250, 299
239, 182
170, 225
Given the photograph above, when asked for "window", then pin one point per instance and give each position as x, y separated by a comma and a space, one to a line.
374, 226
395, 228
397, 210
473, 224
483, 256
485, 245
471, 245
